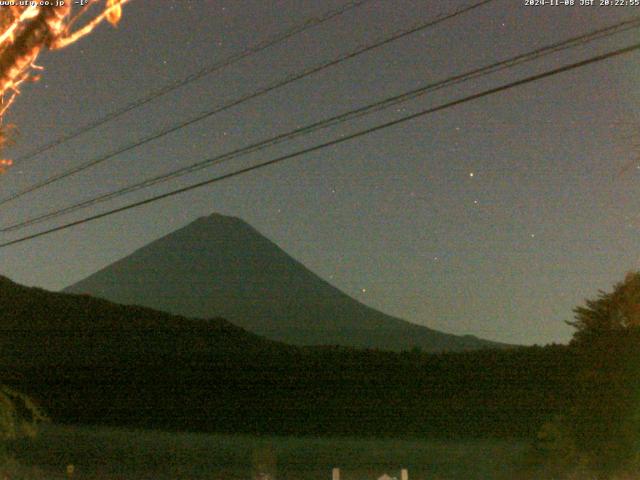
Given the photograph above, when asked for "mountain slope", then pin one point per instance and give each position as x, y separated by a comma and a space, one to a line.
37, 326
87, 360
219, 266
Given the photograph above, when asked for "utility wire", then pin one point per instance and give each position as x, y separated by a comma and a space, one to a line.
288, 80
170, 87
338, 119
485, 93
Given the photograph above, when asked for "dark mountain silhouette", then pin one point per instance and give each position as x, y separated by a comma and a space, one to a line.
219, 266
39, 327
87, 360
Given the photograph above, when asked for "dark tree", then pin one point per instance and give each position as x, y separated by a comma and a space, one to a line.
605, 415
611, 313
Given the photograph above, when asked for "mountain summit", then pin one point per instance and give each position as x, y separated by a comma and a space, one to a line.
219, 266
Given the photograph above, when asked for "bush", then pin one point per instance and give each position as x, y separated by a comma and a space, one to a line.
19, 417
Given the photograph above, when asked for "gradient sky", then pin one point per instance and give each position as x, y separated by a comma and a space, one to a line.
394, 219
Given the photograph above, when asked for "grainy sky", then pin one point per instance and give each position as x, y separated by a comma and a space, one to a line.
493, 218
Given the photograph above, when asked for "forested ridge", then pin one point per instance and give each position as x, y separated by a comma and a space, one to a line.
91, 361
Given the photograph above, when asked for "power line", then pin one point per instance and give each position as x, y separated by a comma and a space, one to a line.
226, 62
288, 80
338, 119
330, 143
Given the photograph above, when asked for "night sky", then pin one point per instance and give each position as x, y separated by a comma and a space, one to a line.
493, 218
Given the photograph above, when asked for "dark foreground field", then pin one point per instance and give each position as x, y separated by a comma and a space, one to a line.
108, 453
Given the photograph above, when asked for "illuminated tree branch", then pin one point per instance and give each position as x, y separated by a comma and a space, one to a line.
27, 30
111, 13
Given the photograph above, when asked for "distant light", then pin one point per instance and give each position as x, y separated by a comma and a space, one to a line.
364, 290
471, 174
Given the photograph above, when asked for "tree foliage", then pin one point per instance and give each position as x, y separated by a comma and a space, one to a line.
27, 30
605, 416
611, 313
